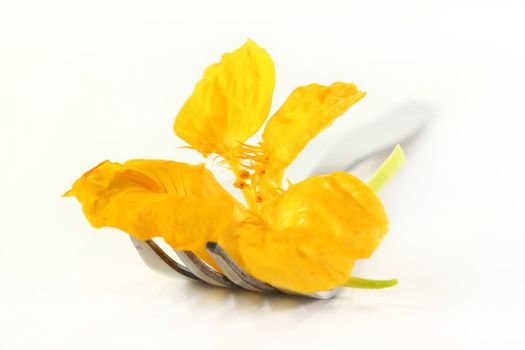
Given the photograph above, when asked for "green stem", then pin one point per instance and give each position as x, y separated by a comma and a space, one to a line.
388, 169
363, 283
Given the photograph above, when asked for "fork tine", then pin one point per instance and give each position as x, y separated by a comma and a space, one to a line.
202, 270
324, 295
234, 272
159, 261
196, 269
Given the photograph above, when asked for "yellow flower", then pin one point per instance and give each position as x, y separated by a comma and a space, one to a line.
156, 198
304, 238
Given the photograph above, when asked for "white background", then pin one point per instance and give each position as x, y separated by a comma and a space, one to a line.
81, 82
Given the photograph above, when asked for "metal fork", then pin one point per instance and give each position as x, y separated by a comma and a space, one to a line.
356, 145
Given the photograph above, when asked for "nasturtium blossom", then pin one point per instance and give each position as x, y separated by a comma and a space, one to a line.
305, 237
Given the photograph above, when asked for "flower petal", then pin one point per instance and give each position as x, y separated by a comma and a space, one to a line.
230, 103
300, 260
337, 202
182, 203
307, 111
314, 233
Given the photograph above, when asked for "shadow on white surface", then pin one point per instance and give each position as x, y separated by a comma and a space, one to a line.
205, 298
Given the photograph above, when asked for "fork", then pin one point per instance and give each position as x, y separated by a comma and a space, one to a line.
356, 145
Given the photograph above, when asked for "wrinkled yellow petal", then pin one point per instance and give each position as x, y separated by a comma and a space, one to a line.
300, 260
182, 203
229, 239
314, 233
307, 111
350, 208
230, 103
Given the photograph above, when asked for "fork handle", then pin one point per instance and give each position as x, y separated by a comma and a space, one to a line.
377, 134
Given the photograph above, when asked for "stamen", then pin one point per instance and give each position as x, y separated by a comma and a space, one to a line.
240, 184
244, 174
